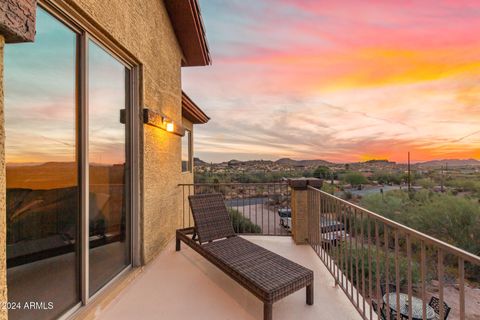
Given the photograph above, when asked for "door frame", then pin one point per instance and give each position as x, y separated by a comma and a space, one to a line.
87, 30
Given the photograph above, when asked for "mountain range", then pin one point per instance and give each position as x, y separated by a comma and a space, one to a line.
450, 163
320, 162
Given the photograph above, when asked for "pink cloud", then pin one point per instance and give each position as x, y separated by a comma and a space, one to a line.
389, 60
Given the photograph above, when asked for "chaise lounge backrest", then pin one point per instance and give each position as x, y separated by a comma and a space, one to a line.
211, 217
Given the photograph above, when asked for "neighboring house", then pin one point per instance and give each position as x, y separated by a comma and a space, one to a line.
97, 136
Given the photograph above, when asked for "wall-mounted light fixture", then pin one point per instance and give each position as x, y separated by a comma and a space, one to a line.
159, 120
170, 127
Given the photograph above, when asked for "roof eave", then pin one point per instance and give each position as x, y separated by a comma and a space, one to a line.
192, 112
188, 26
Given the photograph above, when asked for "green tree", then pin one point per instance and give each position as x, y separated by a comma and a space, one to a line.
322, 172
426, 183
355, 178
387, 177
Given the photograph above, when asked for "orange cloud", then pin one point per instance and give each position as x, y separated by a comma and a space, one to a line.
344, 81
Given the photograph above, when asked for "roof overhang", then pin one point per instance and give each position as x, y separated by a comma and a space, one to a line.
192, 112
188, 26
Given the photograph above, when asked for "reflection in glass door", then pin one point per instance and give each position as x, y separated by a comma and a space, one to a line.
109, 251
42, 183
49, 147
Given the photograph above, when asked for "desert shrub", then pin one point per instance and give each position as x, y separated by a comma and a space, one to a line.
385, 177
347, 195
426, 183
242, 224
322, 172
359, 256
465, 184
355, 178
390, 204
452, 219
328, 188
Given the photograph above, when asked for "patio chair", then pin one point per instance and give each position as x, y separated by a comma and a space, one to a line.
265, 274
391, 288
382, 310
435, 304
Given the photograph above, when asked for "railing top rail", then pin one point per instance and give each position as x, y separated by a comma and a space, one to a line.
232, 183
467, 256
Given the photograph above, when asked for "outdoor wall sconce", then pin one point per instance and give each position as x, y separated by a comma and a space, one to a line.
158, 120
170, 127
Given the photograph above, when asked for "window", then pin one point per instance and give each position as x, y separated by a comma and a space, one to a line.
58, 181
187, 151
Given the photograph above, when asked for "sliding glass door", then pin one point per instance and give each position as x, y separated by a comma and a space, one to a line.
42, 171
67, 169
107, 154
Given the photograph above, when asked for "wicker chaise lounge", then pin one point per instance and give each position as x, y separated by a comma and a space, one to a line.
267, 275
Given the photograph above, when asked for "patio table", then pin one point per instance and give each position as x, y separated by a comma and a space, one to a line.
417, 306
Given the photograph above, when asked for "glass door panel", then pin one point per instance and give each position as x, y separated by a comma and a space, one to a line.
42, 171
108, 214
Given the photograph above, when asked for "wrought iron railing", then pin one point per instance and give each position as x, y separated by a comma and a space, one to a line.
381, 264
255, 208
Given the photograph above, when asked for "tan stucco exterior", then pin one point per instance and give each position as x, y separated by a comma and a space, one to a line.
3, 258
300, 205
299, 216
144, 29
141, 28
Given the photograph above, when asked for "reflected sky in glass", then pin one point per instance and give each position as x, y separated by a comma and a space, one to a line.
106, 99
39, 83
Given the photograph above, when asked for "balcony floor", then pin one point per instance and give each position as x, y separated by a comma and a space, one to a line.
183, 285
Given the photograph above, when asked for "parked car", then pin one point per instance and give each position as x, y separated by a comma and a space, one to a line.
285, 217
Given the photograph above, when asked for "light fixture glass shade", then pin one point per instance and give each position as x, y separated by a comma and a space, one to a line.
170, 126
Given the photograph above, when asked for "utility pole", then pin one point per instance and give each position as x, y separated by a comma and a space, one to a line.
442, 188
409, 177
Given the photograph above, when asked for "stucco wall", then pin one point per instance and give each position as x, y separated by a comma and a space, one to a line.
3, 259
144, 29
17, 20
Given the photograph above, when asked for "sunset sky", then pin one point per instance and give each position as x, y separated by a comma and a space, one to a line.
339, 80
31, 71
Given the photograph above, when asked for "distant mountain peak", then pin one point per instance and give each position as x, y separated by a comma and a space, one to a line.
450, 163
198, 161
289, 161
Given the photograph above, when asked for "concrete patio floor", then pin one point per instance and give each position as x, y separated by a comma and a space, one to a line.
183, 285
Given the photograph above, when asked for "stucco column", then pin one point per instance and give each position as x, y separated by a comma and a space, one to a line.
300, 207
3, 218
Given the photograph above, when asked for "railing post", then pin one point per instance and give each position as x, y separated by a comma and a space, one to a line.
299, 205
